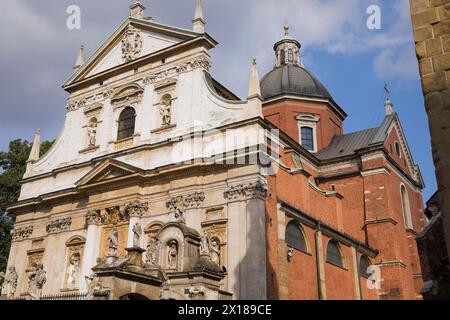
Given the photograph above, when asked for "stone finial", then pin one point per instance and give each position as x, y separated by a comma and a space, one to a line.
286, 29
137, 10
80, 59
389, 106
254, 89
198, 23
35, 149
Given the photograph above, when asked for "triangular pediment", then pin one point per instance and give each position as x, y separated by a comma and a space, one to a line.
134, 39
108, 170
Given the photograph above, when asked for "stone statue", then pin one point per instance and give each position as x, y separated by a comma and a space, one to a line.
152, 251
92, 134
93, 284
172, 255
137, 233
204, 245
113, 243
73, 270
10, 283
166, 110
215, 251
37, 277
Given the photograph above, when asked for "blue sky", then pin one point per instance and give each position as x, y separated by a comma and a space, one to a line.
352, 61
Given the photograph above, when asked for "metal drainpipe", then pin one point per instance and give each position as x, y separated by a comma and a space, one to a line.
319, 279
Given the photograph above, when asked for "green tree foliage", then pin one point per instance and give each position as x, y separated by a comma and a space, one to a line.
12, 168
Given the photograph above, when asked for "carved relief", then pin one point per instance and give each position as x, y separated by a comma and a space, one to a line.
153, 247
181, 203
21, 233
132, 44
59, 225
201, 62
246, 191
37, 277
136, 208
93, 107
127, 95
113, 243
113, 216
93, 217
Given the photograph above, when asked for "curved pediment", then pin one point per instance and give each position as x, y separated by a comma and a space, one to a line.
127, 94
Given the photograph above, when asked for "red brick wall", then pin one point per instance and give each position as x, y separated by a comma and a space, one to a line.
282, 113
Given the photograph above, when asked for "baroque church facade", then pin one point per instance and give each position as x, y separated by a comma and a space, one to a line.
163, 184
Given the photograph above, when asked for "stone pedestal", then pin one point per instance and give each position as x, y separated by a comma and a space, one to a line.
135, 255
111, 259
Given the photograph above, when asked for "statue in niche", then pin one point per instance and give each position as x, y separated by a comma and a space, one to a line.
172, 255
137, 233
113, 243
215, 251
37, 277
74, 270
92, 133
204, 245
152, 251
165, 110
10, 282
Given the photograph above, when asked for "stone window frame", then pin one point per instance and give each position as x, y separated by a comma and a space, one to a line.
406, 207
398, 149
308, 121
117, 137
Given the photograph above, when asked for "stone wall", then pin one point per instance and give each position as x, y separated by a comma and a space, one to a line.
431, 24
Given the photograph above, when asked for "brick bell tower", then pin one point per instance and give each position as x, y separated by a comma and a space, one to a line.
297, 102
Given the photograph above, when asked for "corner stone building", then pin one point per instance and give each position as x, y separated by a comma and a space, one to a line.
165, 185
431, 24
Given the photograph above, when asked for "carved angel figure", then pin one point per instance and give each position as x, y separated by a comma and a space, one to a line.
204, 245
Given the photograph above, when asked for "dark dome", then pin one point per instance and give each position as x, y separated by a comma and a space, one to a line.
294, 80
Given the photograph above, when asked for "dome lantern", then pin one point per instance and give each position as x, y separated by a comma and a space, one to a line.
287, 50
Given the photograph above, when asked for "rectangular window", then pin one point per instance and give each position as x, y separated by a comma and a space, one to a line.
307, 138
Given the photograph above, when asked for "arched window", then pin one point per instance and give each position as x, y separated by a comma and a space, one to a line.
294, 237
364, 264
406, 207
283, 57
290, 55
334, 255
126, 123
307, 134
397, 149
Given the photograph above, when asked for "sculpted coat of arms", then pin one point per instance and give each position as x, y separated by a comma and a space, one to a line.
131, 44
